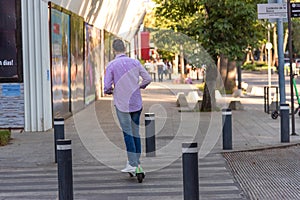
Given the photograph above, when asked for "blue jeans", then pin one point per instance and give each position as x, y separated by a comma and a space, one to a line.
160, 75
130, 122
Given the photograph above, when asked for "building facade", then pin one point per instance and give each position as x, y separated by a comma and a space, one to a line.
54, 53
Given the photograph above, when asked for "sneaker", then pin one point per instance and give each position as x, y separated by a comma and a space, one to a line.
128, 168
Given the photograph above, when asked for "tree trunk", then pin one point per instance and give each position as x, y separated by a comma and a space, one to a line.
261, 57
222, 67
228, 72
182, 60
285, 42
209, 100
230, 83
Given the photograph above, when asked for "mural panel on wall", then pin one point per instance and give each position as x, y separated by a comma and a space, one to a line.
60, 38
77, 63
92, 62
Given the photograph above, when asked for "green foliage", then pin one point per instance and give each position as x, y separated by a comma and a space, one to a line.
200, 86
4, 137
256, 66
166, 54
231, 27
142, 61
167, 40
296, 36
225, 27
176, 14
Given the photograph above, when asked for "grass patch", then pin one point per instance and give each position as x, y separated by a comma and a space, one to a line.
200, 86
4, 137
256, 66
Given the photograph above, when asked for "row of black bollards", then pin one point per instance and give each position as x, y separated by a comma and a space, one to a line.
227, 126
190, 158
63, 156
63, 152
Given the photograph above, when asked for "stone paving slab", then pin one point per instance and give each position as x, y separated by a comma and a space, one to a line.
29, 172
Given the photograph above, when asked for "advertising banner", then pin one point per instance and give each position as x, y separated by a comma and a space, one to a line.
10, 41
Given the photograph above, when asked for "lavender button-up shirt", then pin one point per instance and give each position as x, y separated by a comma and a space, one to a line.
122, 78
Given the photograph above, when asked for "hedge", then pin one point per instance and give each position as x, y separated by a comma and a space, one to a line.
4, 137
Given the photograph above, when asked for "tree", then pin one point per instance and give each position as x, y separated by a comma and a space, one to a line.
229, 28
225, 28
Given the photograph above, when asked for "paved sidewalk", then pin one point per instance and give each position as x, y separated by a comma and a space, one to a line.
27, 169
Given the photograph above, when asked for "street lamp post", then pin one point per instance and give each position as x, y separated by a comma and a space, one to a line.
269, 47
291, 67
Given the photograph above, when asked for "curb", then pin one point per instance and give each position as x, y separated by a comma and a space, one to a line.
263, 148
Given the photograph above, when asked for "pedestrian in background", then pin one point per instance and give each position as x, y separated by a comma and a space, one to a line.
122, 80
161, 67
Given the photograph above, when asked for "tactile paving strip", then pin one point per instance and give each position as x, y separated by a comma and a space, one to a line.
271, 174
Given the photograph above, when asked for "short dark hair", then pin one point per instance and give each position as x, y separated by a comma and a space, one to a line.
118, 45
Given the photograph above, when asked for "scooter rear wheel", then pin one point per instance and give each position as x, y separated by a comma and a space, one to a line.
140, 177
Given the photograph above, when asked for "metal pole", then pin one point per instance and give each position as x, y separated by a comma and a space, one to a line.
190, 171
269, 47
150, 134
265, 100
285, 121
291, 66
281, 59
59, 133
64, 169
227, 128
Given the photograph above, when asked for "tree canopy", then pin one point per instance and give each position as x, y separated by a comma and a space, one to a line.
222, 27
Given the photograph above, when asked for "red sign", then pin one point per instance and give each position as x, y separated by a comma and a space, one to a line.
145, 45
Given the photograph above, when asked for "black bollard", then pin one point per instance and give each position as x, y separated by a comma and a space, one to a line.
227, 128
285, 122
64, 169
59, 133
190, 171
239, 75
150, 134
